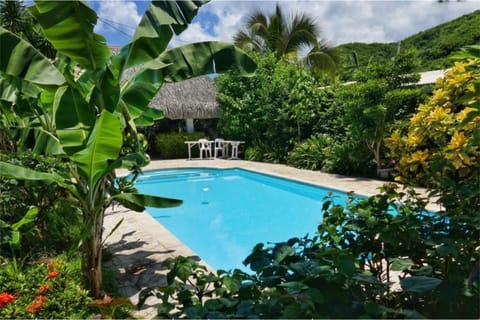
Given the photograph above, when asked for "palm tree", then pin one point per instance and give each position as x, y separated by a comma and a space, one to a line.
87, 114
285, 37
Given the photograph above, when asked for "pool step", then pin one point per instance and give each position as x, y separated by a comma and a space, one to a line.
176, 175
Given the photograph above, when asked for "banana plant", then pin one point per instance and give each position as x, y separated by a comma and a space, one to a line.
91, 111
11, 232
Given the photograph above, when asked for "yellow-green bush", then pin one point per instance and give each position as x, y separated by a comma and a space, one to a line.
442, 139
172, 145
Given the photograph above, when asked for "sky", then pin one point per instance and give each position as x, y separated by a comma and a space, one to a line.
340, 21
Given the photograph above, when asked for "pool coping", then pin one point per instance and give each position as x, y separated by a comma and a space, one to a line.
140, 244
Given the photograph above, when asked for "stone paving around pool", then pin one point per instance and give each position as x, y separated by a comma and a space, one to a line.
141, 244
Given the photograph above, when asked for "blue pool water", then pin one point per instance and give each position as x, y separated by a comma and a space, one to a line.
225, 213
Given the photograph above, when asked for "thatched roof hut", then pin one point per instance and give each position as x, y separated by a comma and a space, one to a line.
195, 98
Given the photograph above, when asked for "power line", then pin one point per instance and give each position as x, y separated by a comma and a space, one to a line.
118, 23
113, 26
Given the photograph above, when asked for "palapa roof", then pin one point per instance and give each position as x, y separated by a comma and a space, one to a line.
194, 98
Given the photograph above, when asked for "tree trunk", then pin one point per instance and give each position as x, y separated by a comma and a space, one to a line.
92, 257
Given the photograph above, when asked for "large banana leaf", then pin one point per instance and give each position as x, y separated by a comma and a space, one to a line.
182, 63
155, 30
21, 60
29, 217
46, 143
128, 161
138, 202
148, 117
107, 90
68, 25
8, 170
74, 119
8, 91
137, 94
37, 139
10, 88
103, 145
203, 58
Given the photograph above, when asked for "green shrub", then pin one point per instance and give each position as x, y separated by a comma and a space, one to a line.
172, 145
57, 219
349, 158
311, 153
271, 110
44, 291
266, 152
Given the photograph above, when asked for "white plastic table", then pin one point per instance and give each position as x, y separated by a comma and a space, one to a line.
234, 144
189, 145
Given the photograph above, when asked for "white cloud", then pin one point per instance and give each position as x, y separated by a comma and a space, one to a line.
230, 16
226, 28
118, 16
341, 21
196, 33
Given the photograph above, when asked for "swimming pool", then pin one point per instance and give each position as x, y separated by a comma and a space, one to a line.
226, 212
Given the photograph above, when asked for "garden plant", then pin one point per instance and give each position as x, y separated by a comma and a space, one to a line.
68, 120
77, 107
386, 256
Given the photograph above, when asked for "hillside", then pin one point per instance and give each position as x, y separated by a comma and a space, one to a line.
433, 46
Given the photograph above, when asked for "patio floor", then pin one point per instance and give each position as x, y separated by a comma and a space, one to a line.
140, 244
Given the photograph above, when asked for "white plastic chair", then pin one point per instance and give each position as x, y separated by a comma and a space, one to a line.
219, 145
204, 146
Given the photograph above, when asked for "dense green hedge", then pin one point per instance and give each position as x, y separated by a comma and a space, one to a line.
172, 145
273, 109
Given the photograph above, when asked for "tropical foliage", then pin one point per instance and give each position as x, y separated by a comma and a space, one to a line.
48, 290
386, 256
271, 110
364, 262
281, 113
379, 96
286, 37
14, 17
56, 218
78, 108
443, 136
313, 153
432, 46
441, 149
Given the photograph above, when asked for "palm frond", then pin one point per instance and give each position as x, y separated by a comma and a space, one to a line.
321, 57
249, 41
287, 36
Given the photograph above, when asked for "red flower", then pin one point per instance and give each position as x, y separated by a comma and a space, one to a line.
52, 274
34, 307
6, 298
37, 304
44, 288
